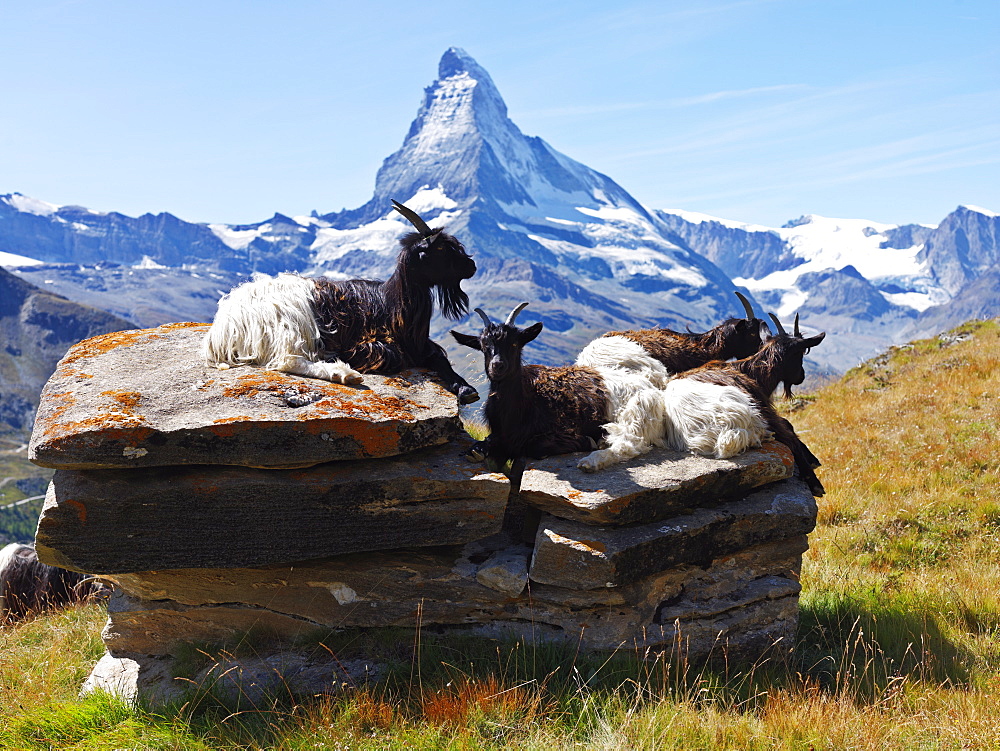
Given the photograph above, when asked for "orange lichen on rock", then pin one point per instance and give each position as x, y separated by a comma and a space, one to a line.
780, 452
99, 345
115, 421
80, 508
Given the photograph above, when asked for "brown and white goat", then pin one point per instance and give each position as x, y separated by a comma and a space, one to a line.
779, 361
678, 351
535, 411
28, 586
338, 330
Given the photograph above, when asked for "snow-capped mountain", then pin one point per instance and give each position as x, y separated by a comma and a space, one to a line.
543, 228
876, 284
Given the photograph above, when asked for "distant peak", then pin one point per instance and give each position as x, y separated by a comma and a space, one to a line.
455, 60
979, 210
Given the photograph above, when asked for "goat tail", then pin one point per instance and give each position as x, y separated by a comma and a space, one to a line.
268, 322
711, 419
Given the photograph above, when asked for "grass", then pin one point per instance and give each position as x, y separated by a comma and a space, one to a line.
898, 645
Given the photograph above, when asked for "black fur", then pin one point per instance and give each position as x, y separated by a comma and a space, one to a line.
534, 410
30, 586
384, 327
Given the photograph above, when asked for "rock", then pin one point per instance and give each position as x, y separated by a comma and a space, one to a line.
580, 556
114, 521
506, 571
413, 588
144, 398
655, 486
244, 683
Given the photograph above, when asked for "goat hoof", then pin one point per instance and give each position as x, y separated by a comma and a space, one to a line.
467, 395
474, 455
353, 379
593, 443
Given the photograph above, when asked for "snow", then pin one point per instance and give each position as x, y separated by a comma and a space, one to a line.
980, 210
695, 218
31, 205
148, 263
237, 239
12, 259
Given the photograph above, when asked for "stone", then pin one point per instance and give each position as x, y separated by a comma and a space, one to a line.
115, 521
144, 398
654, 486
506, 571
246, 683
279, 604
580, 556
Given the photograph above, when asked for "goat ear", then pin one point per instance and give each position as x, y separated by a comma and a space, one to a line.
530, 333
765, 331
467, 340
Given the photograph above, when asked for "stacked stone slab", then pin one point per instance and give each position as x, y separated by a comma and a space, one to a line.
244, 502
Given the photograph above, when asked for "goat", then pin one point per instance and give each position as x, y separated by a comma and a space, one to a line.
779, 361
536, 411
28, 586
678, 351
333, 330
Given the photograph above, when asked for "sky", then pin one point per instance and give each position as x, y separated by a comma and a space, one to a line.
757, 111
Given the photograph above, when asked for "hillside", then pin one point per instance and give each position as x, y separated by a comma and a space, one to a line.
898, 646
36, 329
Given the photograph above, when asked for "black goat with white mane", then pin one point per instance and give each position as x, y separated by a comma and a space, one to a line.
338, 330
678, 351
779, 361
28, 586
536, 411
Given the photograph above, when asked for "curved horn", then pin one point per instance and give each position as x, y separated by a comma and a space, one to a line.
781, 329
746, 306
795, 331
486, 318
513, 314
413, 217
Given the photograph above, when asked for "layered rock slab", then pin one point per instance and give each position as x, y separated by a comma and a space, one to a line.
655, 486
413, 588
115, 521
145, 398
581, 556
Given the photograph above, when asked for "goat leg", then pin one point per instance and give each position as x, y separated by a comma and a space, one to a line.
437, 360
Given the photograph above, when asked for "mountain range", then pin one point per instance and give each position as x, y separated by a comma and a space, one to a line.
543, 228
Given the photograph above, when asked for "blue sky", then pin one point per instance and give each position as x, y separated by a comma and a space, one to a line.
753, 110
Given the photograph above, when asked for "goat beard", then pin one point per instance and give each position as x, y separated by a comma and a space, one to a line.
452, 301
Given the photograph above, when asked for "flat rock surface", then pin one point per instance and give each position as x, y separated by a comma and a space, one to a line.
582, 556
652, 487
144, 398
111, 521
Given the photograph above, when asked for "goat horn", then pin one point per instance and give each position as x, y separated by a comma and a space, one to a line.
795, 331
781, 329
513, 314
746, 306
486, 318
413, 217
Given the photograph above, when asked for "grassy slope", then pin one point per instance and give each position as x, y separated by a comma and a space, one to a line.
899, 645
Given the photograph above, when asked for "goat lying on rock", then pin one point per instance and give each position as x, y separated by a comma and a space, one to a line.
677, 351
779, 361
333, 330
536, 411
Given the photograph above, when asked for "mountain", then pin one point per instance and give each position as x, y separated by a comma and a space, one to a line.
873, 284
543, 228
36, 329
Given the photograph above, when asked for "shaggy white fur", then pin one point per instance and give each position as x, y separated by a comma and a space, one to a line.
647, 407
269, 322
6, 559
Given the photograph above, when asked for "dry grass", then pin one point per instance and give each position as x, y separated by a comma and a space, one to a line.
899, 645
